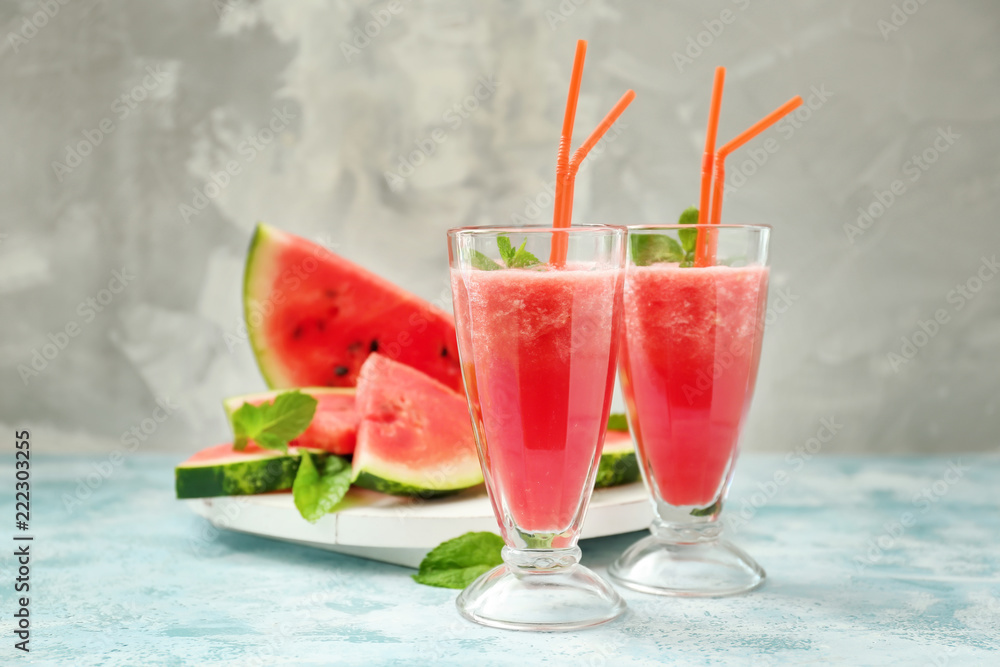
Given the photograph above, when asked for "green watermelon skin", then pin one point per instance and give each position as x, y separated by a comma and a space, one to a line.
372, 482
224, 471
313, 317
414, 434
619, 464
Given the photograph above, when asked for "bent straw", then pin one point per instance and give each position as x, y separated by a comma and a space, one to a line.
562, 158
560, 241
713, 127
705, 253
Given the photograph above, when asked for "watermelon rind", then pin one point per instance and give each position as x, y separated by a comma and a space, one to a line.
368, 480
260, 264
239, 474
619, 464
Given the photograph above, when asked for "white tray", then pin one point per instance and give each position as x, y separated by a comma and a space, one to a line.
402, 531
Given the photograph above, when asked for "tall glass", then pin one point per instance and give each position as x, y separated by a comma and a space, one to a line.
539, 348
692, 339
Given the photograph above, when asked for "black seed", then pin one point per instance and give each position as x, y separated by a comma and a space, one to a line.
340, 371
444, 352
374, 346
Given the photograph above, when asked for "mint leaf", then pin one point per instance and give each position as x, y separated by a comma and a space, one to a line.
652, 248
688, 237
506, 249
708, 511
522, 258
617, 422
317, 494
689, 216
483, 262
459, 561
274, 424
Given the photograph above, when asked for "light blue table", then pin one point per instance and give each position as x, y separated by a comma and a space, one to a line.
116, 581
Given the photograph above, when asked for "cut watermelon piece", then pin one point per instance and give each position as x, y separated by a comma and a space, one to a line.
619, 464
224, 471
334, 427
314, 317
415, 437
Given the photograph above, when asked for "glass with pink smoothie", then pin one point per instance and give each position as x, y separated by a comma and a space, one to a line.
539, 349
691, 346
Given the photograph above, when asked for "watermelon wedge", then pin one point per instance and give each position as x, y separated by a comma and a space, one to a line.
314, 317
619, 464
415, 437
224, 471
334, 427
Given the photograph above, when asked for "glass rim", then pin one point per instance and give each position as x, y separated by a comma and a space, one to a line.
576, 230
654, 227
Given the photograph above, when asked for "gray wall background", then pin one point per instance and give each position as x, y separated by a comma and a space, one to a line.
184, 83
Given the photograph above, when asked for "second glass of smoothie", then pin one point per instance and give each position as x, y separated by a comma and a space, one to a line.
538, 336
690, 350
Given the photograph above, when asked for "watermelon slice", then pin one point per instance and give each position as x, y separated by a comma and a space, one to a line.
619, 464
415, 436
334, 427
313, 317
224, 471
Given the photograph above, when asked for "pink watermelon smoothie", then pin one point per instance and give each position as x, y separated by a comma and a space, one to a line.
539, 356
689, 363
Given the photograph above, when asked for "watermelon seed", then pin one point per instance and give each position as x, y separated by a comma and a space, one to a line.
374, 346
298, 332
340, 371
444, 352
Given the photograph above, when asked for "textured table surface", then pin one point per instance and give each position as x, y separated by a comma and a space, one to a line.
869, 561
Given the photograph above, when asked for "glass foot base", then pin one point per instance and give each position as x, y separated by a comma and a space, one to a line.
566, 598
698, 569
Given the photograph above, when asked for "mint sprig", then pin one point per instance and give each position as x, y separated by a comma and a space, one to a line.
317, 493
652, 248
460, 561
273, 424
512, 258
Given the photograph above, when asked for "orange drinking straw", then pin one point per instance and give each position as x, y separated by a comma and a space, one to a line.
566, 168
713, 127
563, 178
705, 251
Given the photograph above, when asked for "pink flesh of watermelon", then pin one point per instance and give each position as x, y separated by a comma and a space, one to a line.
414, 432
334, 427
224, 453
314, 317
